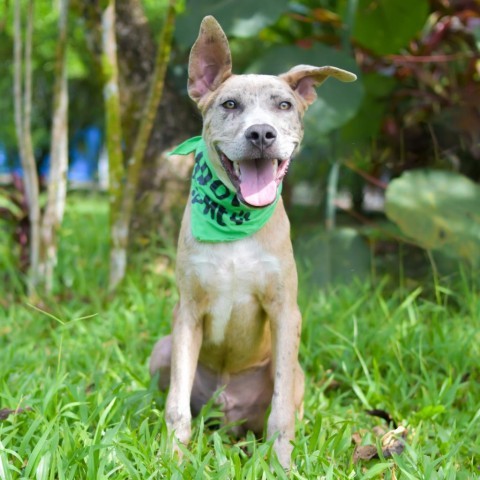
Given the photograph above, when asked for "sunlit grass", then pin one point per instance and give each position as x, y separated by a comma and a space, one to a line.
79, 360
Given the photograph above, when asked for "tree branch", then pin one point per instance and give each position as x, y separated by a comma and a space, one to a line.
154, 96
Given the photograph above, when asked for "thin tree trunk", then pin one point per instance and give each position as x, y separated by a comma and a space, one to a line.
118, 235
24, 138
57, 185
120, 227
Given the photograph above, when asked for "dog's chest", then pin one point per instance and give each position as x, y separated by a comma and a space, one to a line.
234, 276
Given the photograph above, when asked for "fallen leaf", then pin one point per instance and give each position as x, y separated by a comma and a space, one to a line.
364, 452
392, 442
379, 431
357, 438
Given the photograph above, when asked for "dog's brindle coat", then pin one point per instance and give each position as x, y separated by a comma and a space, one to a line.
237, 323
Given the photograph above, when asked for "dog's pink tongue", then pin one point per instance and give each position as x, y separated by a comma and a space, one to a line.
257, 183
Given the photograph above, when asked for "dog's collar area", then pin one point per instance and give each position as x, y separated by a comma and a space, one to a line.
217, 213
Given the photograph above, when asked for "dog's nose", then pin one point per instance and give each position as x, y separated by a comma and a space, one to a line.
261, 135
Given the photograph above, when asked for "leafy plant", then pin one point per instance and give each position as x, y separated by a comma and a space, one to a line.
239, 19
423, 101
13, 237
438, 209
386, 26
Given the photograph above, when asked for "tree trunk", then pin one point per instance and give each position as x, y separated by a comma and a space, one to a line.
160, 181
57, 184
162, 190
24, 137
122, 217
118, 233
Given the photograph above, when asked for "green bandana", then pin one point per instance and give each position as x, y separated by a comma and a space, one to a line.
216, 213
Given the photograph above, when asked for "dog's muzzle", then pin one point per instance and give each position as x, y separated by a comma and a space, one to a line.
256, 180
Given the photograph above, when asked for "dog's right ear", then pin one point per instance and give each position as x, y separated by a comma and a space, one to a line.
210, 61
303, 79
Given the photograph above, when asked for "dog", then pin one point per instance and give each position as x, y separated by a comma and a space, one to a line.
237, 325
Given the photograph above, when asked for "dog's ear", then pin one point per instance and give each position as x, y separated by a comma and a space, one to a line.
210, 60
304, 78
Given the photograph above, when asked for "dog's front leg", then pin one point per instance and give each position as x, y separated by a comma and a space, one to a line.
286, 327
186, 342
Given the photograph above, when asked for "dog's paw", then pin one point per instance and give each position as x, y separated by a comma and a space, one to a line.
283, 434
180, 426
183, 432
283, 448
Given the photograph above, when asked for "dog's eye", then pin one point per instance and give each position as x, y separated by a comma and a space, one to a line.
230, 104
284, 105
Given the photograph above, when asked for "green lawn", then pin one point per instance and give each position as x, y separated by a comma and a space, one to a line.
78, 363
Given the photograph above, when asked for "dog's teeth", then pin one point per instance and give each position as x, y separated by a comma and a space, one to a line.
236, 168
275, 167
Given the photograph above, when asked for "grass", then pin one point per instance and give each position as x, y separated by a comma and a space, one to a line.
77, 364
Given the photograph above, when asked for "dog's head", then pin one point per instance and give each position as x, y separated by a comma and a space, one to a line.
252, 123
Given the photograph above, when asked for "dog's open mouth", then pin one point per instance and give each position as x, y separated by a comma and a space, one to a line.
256, 180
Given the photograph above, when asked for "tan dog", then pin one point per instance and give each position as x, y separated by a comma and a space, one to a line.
237, 324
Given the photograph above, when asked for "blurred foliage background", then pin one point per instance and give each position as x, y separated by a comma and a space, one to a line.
415, 108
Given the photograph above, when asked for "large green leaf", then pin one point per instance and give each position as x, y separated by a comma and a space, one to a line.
337, 257
243, 18
439, 210
386, 26
337, 102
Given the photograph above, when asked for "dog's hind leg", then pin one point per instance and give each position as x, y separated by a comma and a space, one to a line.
161, 361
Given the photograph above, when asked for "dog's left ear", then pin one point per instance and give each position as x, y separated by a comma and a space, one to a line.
210, 61
304, 78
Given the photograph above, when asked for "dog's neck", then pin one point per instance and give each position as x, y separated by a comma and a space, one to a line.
217, 215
